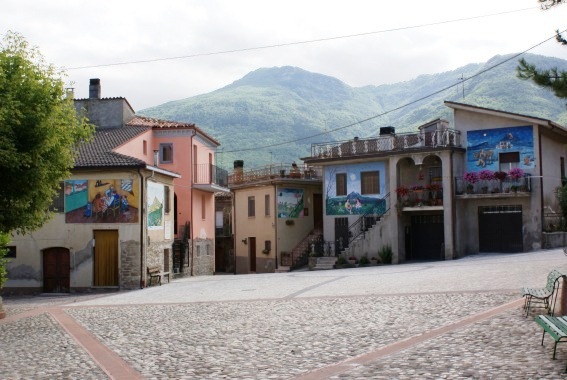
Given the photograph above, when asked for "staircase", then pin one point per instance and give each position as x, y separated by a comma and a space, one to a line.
324, 263
300, 254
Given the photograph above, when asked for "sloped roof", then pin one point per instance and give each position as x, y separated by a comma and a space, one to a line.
98, 152
143, 121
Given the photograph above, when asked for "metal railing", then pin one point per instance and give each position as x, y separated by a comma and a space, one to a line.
210, 174
368, 220
394, 142
493, 186
275, 171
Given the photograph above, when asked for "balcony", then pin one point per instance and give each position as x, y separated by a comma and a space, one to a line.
493, 188
275, 172
388, 143
210, 178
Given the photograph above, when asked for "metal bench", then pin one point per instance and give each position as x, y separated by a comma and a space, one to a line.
154, 271
556, 327
544, 295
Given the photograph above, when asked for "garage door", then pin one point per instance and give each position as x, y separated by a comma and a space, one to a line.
500, 229
427, 237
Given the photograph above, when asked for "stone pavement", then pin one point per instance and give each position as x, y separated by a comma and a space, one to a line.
459, 319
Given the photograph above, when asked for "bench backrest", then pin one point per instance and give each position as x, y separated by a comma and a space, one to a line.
552, 277
154, 269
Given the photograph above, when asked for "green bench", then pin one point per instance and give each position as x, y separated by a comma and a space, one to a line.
556, 327
543, 296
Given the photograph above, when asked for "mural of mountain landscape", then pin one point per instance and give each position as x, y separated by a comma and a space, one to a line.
270, 106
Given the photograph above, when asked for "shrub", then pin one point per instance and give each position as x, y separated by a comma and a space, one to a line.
363, 261
3, 260
341, 260
385, 254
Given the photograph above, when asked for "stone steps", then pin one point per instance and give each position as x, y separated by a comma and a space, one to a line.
324, 263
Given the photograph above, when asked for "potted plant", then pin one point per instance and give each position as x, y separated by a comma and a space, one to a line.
470, 178
515, 174
402, 191
485, 176
500, 176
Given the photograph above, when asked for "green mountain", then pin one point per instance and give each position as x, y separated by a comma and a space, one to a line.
274, 114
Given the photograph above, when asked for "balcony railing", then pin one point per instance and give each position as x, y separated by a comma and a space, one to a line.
210, 174
493, 186
274, 171
394, 142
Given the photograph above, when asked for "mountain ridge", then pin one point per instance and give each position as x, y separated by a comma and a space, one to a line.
274, 114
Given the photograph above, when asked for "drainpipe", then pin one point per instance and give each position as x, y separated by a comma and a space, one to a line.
274, 215
540, 176
143, 246
192, 170
233, 220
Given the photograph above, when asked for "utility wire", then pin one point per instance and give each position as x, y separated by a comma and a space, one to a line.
297, 42
400, 107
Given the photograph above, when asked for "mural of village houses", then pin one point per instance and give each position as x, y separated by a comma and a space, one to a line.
290, 203
155, 206
485, 146
101, 201
354, 203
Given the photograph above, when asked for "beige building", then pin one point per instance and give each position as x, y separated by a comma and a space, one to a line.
277, 214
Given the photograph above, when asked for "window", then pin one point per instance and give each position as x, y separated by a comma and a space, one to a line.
203, 207
370, 182
267, 204
166, 200
509, 160
145, 147
58, 201
166, 153
341, 184
251, 206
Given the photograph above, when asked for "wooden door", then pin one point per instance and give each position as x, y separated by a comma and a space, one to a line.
252, 253
106, 258
318, 211
56, 270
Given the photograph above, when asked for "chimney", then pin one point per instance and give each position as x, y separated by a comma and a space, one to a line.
238, 171
94, 89
70, 92
156, 157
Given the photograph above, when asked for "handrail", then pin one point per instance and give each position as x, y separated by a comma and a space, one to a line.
361, 225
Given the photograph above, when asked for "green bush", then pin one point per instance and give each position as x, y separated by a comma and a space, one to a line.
341, 260
3, 260
385, 254
363, 261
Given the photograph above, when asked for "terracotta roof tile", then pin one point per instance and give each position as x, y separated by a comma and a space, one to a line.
98, 152
143, 121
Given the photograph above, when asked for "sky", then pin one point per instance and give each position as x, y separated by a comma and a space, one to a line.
154, 52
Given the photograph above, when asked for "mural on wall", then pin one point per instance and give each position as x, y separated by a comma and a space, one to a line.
290, 203
484, 147
101, 201
155, 206
354, 203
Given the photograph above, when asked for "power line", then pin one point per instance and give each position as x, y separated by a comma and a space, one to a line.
297, 42
400, 107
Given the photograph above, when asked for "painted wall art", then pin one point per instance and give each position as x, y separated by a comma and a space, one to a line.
290, 203
354, 203
485, 146
101, 201
155, 206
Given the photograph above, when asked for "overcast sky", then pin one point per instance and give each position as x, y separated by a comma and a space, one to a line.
382, 41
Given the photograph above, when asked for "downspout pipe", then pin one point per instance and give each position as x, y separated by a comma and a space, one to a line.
192, 170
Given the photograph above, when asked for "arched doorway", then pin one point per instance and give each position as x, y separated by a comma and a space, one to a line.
56, 270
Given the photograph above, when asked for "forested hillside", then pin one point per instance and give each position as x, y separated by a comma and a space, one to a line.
271, 106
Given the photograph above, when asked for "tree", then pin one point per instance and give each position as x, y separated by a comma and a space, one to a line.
39, 135
554, 79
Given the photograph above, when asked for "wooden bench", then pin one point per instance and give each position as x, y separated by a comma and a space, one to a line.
154, 271
543, 295
556, 327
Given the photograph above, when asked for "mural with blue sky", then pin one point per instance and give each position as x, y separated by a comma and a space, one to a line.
354, 203
484, 147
